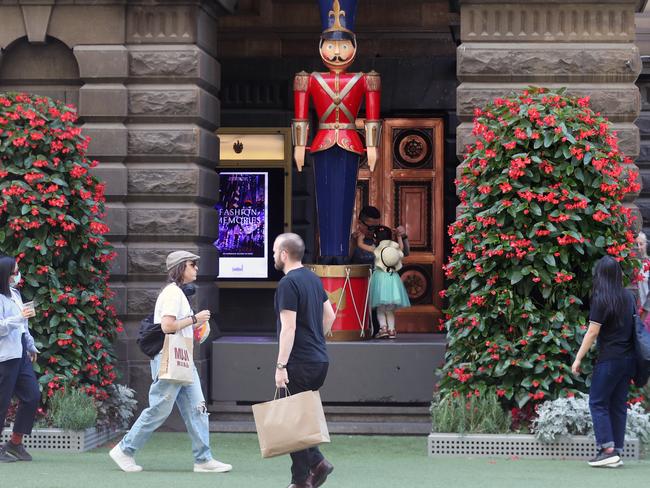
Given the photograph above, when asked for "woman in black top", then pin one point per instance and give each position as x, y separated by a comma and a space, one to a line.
611, 320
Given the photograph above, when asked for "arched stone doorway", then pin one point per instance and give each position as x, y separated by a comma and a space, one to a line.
49, 69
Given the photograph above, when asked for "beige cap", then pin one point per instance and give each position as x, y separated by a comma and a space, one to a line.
177, 257
388, 256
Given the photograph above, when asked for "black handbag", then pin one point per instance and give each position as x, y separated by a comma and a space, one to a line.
150, 337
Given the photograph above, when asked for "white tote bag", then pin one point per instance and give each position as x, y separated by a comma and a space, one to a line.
176, 361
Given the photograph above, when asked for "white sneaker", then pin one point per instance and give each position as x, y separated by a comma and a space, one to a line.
212, 466
616, 465
124, 461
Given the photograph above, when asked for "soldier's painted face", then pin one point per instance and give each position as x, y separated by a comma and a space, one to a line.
338, 54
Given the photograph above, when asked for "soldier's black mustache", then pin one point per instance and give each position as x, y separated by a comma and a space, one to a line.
336, 58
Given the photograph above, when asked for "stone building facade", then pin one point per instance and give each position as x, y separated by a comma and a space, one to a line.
154, 79
145, 78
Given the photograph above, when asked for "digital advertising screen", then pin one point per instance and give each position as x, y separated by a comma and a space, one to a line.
243, 210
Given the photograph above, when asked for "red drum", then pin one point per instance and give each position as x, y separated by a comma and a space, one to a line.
348, 291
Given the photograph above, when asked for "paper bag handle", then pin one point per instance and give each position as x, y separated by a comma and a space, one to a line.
287, 392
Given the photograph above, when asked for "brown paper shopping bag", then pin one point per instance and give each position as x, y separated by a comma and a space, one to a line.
176, 361
290, 424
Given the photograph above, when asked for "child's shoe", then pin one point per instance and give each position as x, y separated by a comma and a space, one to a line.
382, 334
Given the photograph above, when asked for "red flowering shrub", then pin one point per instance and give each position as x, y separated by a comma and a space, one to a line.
51, 221
543, 188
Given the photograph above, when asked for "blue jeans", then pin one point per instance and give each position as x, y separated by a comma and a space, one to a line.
162, 395
610, 383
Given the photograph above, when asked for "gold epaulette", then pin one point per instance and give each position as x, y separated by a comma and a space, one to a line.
301, 81
373, 81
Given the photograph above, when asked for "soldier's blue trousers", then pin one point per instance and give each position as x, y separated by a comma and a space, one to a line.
335, 175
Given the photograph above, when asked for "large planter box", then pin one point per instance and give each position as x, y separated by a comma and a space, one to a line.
520, 445
65, 440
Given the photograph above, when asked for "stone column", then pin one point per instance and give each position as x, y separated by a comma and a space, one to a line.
102, 107
172, 152
586, 46
643, 122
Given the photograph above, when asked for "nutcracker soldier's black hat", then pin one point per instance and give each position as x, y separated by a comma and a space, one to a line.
337, 19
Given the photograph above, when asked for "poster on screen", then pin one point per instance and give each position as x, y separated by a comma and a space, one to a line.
243, 225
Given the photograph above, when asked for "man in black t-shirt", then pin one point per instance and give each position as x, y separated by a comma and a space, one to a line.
304, 316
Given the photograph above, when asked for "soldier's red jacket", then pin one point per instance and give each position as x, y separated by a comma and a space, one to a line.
337, 98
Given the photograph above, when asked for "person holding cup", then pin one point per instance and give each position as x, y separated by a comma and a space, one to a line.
17, 353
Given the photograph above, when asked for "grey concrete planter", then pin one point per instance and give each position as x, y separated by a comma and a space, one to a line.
520, 445
65, 440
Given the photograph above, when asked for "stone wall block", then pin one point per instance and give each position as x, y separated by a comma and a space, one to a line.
156, 222
154, 181
116, 218
209, 184
617, 101
177, 103
148, 142
163, 101
628, 135
108, 140
148, 259
105, 62
118, 265
644, 153
643, 123
13, 26
114, 176
538, 63
163, 140
88, 24
119, 300
103, 101
174, 63
141, 298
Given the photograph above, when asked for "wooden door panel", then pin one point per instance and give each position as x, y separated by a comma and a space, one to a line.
413, 211
408, 190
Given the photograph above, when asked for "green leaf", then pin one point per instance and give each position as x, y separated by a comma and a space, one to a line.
534, 208
515, 277
548, 138
550, 260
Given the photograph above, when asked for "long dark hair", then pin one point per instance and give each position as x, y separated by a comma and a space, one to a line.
608, 293
7, 266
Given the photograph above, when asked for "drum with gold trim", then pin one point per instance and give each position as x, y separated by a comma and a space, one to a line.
347, 287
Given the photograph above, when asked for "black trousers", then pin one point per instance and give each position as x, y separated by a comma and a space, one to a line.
305, 377
17, 378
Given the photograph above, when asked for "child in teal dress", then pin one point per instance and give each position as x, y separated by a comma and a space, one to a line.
387, 292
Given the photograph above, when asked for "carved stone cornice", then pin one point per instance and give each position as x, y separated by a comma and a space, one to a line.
549, 21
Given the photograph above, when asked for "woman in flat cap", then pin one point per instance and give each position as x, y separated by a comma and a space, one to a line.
174, 314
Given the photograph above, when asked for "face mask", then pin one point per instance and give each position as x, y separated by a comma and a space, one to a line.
16, 279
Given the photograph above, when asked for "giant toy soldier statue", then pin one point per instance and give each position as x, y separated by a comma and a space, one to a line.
337, 96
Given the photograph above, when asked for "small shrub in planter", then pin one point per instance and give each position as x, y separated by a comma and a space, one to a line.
543, 191
473, 415
571, 416
72, 409
118, 409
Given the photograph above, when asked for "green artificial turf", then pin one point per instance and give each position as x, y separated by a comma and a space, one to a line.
360, 461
